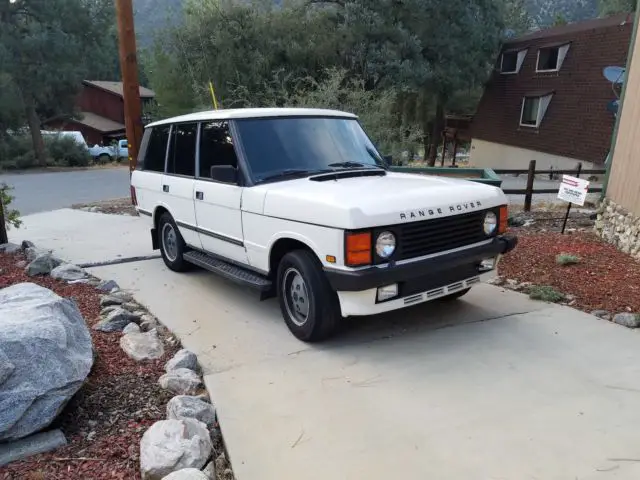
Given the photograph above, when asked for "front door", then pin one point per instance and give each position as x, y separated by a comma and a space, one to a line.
217, 205
178, 180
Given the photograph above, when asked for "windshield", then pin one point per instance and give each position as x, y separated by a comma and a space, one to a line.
279, 147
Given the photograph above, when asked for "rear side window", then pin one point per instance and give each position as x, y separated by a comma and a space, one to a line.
157, 148
216, 147
182, 151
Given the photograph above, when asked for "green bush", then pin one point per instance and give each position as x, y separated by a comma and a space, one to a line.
546, 294
66, 152
11, 216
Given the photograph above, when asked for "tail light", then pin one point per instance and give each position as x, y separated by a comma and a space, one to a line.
504, 219
358, 249
134, 199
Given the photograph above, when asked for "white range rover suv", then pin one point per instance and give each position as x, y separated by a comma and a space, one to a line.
298, 203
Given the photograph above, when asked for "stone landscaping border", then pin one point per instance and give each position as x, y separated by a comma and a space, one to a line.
618, 226
188, 444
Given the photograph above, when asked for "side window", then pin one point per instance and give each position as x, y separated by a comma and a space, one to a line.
182, 150
216, 147
156, 148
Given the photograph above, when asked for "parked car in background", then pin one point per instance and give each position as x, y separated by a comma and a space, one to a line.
119, 151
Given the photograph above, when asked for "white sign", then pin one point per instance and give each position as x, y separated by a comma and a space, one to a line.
573, 189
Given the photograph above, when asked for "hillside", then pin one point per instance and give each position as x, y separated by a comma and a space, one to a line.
153, 15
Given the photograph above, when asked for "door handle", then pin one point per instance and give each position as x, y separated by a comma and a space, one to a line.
199, 196
165, 188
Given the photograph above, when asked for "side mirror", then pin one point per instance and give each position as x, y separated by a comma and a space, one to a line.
224, 174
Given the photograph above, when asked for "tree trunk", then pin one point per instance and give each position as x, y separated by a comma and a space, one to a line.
436, 134
36, 135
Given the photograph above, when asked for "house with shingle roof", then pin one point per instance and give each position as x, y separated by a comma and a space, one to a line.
99, 112
548, 99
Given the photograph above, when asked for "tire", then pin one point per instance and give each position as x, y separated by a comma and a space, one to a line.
172, 246
455, 296
104, 159
302, 284
122, 159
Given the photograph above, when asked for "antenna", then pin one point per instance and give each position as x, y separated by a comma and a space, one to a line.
614, 74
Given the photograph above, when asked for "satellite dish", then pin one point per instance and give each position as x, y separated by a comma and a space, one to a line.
613, 105
614, 74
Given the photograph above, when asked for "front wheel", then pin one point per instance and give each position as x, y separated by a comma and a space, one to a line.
172, 246
309, 306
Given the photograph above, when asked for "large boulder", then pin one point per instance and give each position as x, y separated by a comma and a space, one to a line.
171, 445
45, 356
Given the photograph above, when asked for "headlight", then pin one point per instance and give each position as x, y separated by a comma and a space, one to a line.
490, 223
385, 244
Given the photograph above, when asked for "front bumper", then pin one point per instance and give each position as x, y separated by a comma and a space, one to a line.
422, 275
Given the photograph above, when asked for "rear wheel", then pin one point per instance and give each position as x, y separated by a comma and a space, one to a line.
172, 246
104, 159
309, 306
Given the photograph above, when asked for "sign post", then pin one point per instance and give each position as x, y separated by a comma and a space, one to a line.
573, 190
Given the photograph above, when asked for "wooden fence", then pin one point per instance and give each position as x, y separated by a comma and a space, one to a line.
531, 173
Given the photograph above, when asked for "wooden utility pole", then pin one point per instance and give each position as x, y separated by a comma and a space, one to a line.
130, 83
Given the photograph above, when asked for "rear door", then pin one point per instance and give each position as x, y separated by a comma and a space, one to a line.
218, 204
178, 180
147, 178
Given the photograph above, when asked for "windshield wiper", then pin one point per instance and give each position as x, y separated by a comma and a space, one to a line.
290, 173
352, 165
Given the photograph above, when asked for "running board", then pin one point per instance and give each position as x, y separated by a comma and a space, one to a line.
229, 271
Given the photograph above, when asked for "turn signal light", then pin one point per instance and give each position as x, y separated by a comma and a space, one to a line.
504, 219
358, 249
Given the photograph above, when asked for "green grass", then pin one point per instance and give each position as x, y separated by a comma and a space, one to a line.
565, 259
546, 294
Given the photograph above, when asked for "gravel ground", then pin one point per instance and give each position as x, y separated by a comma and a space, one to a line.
106, 419
604, 279
116, 206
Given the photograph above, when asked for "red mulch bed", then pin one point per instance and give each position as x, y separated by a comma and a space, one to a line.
104, 422
605, 278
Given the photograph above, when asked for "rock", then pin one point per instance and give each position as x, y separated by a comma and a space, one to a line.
9, 248
148, 322
122, 295
107, 285
516, 221
42, 264
184, 406
21, 264
115, 321
511, 283
68, 272
142, 346
47, 351
31, 445
601, 314
181, 381
182, 359
26, 244
630, 320
131, 306
187, 474
171, 445
131, 328
32, 253
210, 471
107, 310
108, 300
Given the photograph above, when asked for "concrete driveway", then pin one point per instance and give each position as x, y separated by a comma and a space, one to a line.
490, 387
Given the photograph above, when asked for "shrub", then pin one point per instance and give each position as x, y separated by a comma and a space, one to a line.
567, 259
66, 152
16, 153
546, 294
11, 217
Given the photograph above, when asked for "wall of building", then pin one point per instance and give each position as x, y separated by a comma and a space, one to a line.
101, 103
624, 179
496, 155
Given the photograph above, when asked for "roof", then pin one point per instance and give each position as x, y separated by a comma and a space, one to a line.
117, 89
97, 122
254, 113
571, 28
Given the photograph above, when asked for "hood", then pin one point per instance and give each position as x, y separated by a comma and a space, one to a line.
362, 202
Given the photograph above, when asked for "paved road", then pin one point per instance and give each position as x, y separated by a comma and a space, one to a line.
494, 386
41, 192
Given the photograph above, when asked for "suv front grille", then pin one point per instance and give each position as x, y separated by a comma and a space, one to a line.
433, 236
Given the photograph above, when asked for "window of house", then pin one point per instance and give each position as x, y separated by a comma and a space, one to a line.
182, 150
550, 59
512, 61
156, 148
533, 110
216, 147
